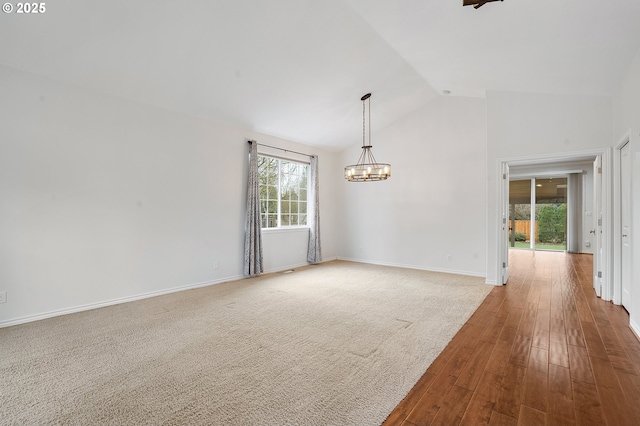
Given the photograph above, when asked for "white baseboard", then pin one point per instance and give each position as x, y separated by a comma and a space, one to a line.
297, 265
419, 267
81, 308
89, 306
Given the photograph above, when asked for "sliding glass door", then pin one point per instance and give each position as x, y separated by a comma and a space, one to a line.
538, 214
551, 213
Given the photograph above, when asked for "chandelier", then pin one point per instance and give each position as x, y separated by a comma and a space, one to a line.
367, 169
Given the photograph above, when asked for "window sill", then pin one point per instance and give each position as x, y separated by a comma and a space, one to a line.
285, 229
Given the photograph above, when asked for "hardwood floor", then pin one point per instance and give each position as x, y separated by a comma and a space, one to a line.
541, 350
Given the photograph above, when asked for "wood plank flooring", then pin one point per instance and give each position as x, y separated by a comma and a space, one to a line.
541, 350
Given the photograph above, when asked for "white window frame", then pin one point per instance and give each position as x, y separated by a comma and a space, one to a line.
279, 225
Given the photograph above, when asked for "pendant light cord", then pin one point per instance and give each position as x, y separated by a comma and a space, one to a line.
363, 126
369, 99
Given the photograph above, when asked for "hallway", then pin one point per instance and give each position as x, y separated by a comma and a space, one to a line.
542, 349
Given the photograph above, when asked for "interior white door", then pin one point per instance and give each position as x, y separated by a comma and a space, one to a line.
597, 226
625, 221
504, 237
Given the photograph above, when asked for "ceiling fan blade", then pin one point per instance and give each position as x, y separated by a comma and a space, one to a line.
476, 3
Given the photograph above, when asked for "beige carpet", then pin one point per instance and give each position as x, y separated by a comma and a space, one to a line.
336, 344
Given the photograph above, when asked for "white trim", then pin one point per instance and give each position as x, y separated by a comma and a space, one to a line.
528, 175
503, 258
90, 306
418, 267
541, 159
285, 229
292, 266
617, 226
607, 226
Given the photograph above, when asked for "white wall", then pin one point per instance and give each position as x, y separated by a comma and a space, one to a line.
434, 204
103, 199
626, 118
521, 125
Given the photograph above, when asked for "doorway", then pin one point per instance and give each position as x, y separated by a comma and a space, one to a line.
553, 166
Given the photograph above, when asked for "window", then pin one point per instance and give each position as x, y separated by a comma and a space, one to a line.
283, 192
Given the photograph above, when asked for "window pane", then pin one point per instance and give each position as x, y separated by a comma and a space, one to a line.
284, 167
551, 213
263, 170
272, 192
273, 206
284, 220
263, 220
273, 171
303, 219
273, 221
302, 207
294, 219
273, 165
294, 207
303, 194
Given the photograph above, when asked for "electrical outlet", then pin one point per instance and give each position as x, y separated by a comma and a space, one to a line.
3, 296
215, 265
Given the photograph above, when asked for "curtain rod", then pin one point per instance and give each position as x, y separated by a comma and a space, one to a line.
281, 149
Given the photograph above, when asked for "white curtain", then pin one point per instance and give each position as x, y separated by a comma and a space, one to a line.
253, 227
314, 254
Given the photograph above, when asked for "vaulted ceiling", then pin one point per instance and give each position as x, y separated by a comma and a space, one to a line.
297, 68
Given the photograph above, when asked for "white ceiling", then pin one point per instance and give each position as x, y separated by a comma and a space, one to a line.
297, 68
538, 46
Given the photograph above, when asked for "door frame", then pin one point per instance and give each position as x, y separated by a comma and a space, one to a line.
606, 154
598, 210
503, 264
617, 225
